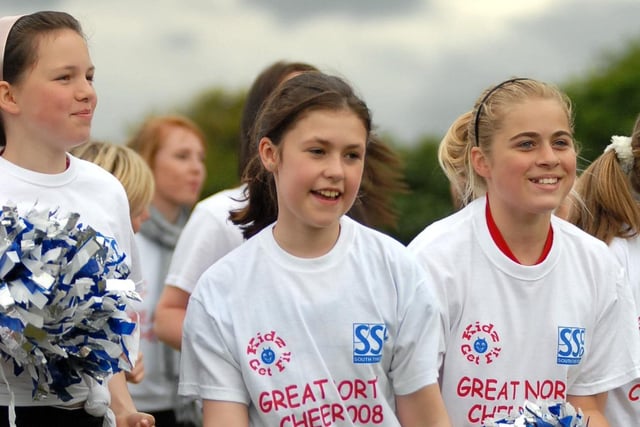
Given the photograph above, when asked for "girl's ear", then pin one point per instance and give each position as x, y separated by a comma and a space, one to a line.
480, 162
7, 101
268, 154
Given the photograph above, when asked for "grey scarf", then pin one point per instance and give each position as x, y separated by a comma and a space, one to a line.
161, 231
158, 229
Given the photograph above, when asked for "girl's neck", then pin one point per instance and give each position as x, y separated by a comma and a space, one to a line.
41, 160
525, 235
170, 211
306, 242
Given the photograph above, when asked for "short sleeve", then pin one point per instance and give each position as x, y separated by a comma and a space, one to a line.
207, 367
203, 241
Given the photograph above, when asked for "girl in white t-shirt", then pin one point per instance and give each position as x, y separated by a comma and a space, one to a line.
535, 309
606, 205
315, 319
47, 102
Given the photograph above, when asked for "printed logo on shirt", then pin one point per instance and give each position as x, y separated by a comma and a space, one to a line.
570, 345
480, 343
368, 342
267, 353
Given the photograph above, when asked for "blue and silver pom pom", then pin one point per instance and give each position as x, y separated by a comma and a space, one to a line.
541, 414
64, 297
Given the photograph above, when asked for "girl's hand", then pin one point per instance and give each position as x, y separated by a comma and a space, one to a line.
136, 419
137, 373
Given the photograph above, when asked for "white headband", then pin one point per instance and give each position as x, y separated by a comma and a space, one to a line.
624, 153
6, 24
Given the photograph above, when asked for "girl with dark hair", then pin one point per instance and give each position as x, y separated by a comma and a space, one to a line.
315, 319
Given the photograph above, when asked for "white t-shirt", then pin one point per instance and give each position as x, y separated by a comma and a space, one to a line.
101, 201
207, 236
512, 332
158, 389
623, 403
327, 340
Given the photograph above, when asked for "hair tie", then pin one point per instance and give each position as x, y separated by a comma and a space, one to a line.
476, 125
6, 24
624, 152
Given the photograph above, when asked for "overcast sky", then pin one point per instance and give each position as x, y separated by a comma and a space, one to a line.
417, 63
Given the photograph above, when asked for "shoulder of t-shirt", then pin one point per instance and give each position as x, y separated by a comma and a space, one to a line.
578, 237
446, 227
95, 174
221, 202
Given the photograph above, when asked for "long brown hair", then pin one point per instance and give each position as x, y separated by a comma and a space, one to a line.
383, 176
604, 204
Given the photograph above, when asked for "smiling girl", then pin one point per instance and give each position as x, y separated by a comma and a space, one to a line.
316, 319
47, 101
534, 307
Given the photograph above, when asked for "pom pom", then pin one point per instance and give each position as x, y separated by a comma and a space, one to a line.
64, 296
541, 414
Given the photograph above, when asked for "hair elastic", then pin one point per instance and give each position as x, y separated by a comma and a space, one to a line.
621, 145
476, 125
6, 24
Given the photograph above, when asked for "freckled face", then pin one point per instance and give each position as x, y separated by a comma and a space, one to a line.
320, 168
532, 164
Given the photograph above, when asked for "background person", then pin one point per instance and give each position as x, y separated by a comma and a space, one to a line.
174, 148
606, 205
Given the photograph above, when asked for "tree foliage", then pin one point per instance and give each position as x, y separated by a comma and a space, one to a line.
606, 100
218, 113
429, 198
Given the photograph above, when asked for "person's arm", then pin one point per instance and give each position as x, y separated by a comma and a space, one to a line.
123, 407
169, 316
136, 375
423, 408
592, 408
224, 414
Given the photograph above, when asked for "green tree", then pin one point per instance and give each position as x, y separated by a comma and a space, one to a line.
606, 100
429, 198
218, 113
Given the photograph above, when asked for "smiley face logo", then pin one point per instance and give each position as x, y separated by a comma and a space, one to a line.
267, 356
480, 345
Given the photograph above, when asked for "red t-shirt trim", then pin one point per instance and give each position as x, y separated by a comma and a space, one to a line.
502, 244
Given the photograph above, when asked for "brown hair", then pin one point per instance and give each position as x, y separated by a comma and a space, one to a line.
383, 176
283, 109
603, 202
22, 45
262, 86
